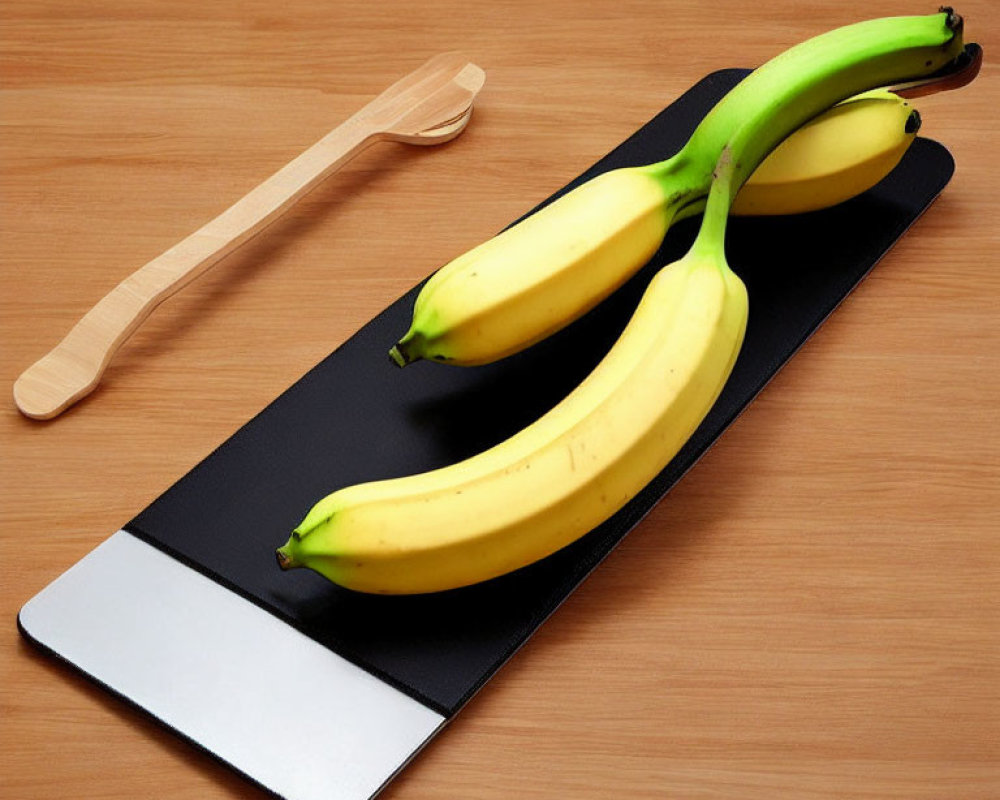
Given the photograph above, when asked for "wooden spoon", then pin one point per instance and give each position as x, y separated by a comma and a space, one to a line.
429, 106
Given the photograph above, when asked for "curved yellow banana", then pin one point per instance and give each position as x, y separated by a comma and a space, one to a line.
837, 156
557, 478
472, 310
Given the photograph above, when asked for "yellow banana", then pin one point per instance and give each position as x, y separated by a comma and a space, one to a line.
574, 467
830, 159
559, 477
476, 309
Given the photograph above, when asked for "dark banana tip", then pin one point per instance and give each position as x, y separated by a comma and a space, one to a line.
954, 21
407, 350
913, 122
285, 561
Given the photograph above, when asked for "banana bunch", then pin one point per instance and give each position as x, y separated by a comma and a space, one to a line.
574, 467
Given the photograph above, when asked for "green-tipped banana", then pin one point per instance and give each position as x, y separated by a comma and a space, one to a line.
559, 477
548, 270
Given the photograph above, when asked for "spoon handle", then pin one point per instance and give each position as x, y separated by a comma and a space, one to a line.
73, 368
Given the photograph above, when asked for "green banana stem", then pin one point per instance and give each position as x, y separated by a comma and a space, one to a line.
739, 159
710, 242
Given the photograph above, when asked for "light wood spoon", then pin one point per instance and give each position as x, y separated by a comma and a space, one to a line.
429, 106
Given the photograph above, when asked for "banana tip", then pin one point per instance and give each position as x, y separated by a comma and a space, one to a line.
954, 21
397, 356
285, 560
405, 352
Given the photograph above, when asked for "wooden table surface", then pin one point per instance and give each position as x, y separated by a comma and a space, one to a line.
813, 612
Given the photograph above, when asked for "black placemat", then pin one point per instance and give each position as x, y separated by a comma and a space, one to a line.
356, 417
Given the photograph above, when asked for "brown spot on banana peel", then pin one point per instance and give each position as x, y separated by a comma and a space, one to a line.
725, 158
677, 198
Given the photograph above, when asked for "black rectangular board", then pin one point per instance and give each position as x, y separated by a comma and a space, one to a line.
356, 417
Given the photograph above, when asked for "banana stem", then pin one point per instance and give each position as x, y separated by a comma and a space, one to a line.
741, 155
711, 239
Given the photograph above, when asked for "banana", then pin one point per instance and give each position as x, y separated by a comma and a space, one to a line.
477, 309
554, 480
832, 158
541, 274
575, 466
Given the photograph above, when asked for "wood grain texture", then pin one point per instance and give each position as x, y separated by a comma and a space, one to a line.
430, 105
813, 612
